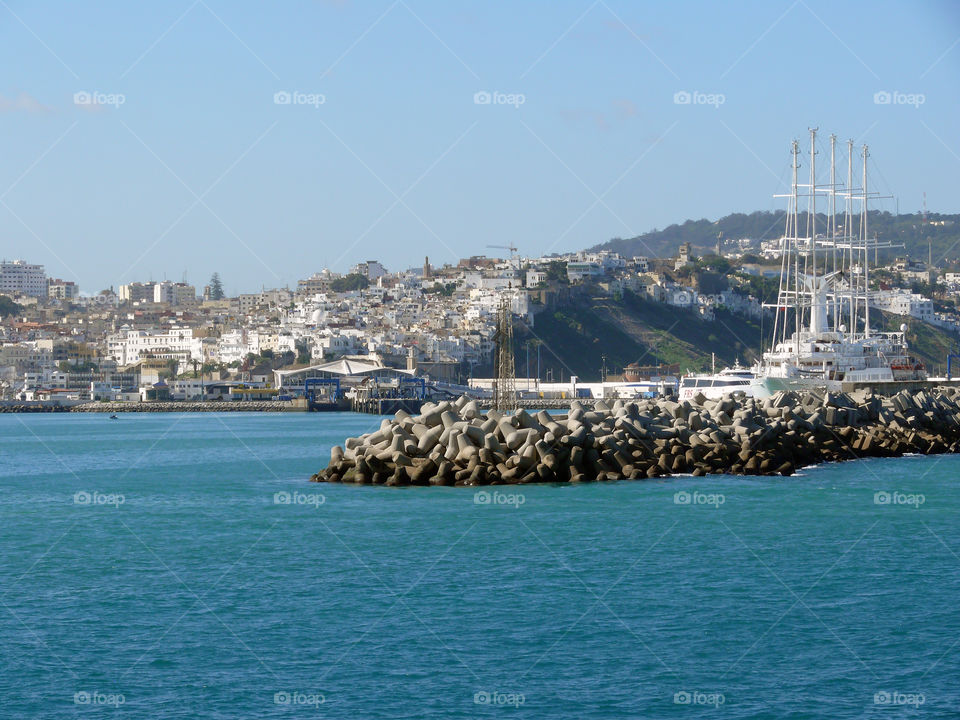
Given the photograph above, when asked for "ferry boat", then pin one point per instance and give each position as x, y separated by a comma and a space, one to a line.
822, 336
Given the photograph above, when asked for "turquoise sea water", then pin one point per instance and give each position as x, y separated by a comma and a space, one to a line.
149, 568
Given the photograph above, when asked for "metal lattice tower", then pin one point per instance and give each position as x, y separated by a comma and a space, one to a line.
505, 390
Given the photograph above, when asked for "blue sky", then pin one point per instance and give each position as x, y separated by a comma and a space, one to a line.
382, 151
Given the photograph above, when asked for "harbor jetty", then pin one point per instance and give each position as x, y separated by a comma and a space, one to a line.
184, 406
457, 443
32, 407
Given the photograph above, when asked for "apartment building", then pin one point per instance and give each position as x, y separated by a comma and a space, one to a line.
62, 289
20, 278
129, 346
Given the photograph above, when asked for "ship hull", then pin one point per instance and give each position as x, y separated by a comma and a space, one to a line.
764, 387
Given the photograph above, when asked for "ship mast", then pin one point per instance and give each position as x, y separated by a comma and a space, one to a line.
832, 223
866, 250
796, 261
812, 225
848, 232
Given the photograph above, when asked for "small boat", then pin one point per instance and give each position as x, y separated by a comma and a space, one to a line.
114, 417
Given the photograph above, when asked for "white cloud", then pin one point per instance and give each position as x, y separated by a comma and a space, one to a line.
24, 102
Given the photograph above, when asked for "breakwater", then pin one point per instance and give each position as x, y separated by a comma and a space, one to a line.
225, 406
32, 407
457, 443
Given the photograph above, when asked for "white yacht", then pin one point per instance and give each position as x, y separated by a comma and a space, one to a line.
716, 385
824, 285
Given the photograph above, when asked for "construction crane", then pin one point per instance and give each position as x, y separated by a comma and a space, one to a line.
511, 247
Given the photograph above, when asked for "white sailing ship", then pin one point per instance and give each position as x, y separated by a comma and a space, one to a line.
822, 335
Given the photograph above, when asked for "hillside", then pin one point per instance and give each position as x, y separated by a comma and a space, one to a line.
907, 229
573, 339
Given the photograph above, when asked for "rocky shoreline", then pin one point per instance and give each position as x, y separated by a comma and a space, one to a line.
456, 443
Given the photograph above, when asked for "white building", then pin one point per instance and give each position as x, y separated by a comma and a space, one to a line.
20, 278
683, 297
171, 293
488, 281
235, 345
580, 270
335, 344
371, 270
902, 302
189, 389
611, 261
536, 277
163, 293
130, 346
484, 303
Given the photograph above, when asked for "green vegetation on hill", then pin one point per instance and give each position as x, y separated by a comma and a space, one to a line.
446, 290
575, 338
354, 281
908, 229
8, 306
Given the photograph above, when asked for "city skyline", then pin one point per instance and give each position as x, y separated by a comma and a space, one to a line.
268, 145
